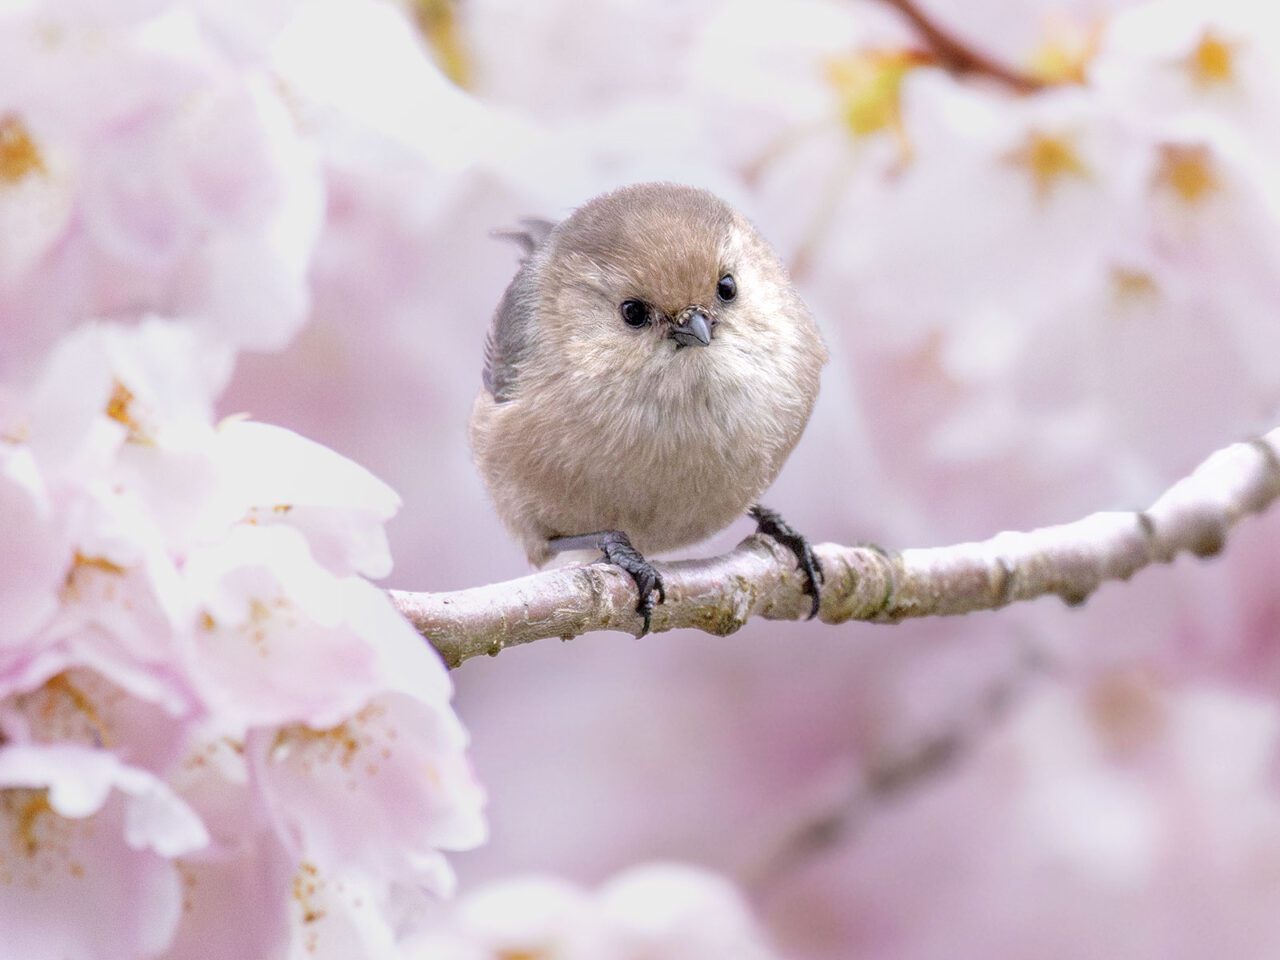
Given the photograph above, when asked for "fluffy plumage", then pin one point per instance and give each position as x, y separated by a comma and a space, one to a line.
586, 424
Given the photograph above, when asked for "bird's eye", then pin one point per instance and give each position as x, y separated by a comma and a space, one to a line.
727, 289
635, 313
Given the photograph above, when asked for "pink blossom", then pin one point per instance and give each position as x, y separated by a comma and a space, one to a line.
653, 912
378, 794
245, 870
280, 477
265, 607
675, 912
35, 550
82, 830
165, 175
186, 604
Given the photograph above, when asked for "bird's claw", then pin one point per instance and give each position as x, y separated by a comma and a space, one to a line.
770, 522
616, 549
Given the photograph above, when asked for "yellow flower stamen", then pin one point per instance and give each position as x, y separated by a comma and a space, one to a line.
1131, 285
1049, 158
62, 686
1065, 54
1188, 171
82, 561
438, 21
34, 805
306, 886
19, 156
868, 88
120, 408
1212, 62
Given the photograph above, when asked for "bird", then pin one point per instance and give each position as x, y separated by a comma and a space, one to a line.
647, 372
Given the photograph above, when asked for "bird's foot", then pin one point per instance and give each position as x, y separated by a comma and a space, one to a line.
616, 549
770, 522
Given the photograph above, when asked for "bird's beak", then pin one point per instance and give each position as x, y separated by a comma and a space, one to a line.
692, 328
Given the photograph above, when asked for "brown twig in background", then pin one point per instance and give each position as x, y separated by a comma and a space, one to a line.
759, 578
955, 55
892, 772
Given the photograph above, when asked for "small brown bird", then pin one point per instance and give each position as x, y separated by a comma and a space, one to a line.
647, 373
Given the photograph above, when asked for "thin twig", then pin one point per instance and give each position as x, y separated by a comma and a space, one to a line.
892, 772
759, 578
957, 56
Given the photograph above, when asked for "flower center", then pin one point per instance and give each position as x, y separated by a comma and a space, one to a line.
1188, 171
19, 155
1049, 159
868, 85
1212, 62
438, 21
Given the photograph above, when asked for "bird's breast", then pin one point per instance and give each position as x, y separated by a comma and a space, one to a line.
670, 458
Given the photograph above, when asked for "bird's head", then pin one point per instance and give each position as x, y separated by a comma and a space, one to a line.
664, 281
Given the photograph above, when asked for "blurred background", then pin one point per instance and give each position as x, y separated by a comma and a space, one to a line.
1041, 300
1042, 240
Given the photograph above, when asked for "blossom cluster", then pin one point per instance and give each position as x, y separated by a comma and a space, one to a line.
1068, 293
150, 163
657, 911
217, 737
201, 691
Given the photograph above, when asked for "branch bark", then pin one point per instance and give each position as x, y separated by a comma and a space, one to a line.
759, 579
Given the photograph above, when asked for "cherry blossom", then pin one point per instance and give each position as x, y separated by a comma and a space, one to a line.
660, 911
80, 828
201, 588
149, 163
977, 201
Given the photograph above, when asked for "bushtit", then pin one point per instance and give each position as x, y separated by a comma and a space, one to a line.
647, 373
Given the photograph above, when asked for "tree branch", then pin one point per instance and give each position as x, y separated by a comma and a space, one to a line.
957, 56
759, 579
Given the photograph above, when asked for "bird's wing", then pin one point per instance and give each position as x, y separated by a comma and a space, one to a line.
510, 333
